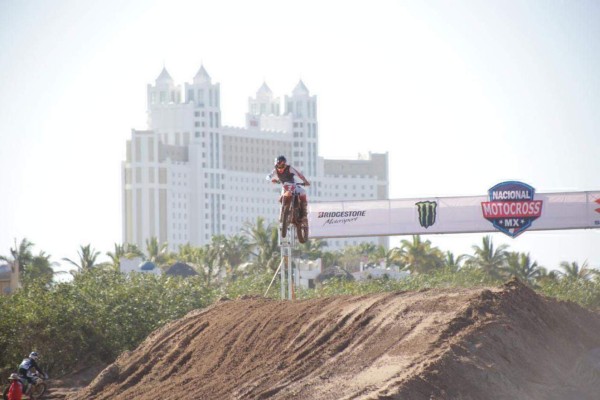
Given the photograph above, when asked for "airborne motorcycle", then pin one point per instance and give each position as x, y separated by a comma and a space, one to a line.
291, 212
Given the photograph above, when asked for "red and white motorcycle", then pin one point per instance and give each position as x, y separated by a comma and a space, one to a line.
292, 211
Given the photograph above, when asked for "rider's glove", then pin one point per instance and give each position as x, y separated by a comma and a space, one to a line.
307, 183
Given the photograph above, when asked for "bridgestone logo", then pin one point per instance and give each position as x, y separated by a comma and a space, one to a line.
341, 214
341, 217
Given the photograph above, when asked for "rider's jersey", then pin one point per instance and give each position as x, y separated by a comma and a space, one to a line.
287, 175
26, 365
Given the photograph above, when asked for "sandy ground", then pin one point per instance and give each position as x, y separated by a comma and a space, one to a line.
487, 343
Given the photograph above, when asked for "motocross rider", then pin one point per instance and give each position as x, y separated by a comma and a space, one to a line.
282, 173
27, 367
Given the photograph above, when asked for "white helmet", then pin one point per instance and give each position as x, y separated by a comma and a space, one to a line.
34, 355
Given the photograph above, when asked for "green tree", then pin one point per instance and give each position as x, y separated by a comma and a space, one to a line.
236, 251
453, 263
158, 253
487, 258
521, 266
209, 268
190, 254
39, 269
126, 250
419, 256
20, 255
199, 258
312, 248
574, 271
331, 258
87, 258
265, 245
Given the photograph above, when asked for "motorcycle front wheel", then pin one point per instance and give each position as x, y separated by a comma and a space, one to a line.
284, 218
37, 391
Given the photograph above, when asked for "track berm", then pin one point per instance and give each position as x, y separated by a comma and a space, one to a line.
486, 343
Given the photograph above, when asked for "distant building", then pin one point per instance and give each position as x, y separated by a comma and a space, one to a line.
9, 278
187, 178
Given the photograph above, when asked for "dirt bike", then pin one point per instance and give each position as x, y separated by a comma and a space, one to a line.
35, 391
291, 212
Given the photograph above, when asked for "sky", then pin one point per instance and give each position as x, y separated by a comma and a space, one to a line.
462, 95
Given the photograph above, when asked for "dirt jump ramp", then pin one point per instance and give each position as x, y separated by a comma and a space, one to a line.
487, 343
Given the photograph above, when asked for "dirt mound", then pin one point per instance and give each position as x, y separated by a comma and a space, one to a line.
494, 343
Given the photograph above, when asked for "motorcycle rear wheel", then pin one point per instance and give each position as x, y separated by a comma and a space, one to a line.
302, 232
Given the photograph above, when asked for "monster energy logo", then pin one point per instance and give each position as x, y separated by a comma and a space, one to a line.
426, 213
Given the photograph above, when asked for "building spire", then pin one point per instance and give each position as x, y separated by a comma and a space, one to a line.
164, 76
202, 76
300, 89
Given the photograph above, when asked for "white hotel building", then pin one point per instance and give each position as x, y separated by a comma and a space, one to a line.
187, 177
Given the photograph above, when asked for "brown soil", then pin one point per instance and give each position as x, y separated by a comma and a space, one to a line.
485, 343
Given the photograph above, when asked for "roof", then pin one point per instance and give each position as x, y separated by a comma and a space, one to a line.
264, 89
147, 266
164, 76
300, 89
202, 76
180, 269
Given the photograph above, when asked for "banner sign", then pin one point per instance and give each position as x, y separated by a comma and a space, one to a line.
510, 207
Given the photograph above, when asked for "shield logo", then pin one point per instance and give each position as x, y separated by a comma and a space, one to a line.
427, 213
512, 207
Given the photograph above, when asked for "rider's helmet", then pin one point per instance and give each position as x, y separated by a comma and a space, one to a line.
280, 163
34, 355
13, 377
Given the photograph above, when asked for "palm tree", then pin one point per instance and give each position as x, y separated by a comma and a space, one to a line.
157, 252
573, 271
418, 256
312, 248
40, 269
520, 265
126, 250
265, 244
546, 277
190, 254
453, 263
236, 251
488, 259
209, 268
331, 258
20, 255
87, 258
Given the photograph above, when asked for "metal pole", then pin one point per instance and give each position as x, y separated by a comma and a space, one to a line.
290, 280
273, 280
283, 278
286, 244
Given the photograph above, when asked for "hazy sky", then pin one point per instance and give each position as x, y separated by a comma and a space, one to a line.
462, 94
